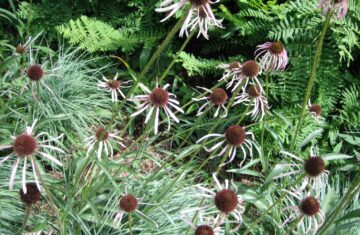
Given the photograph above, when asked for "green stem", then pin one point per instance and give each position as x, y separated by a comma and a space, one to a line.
195, 215
130, 221
330, 220
251, 226
49, 197
312, 75
152, 60
26, 218
263, 160
177, 55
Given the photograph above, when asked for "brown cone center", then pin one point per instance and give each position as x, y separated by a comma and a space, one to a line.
128, 203
204, 230
250, 69
314, 166
159, 97
235, 135
24, 145
276, 47
102, 134
218, 96
226, 200
310, 206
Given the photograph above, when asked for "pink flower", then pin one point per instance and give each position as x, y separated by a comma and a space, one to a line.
340, 7
273, 56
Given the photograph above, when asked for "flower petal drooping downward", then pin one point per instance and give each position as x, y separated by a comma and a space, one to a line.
272, 55
217, 99
340, 7
113, 86
25, 147
154, 101
199, 16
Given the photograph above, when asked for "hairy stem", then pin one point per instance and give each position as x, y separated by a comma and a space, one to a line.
312, 77
26, 218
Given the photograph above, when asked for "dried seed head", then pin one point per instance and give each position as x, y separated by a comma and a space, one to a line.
226, 200
113, 84
20, 49
128, 203
314, 166
234, 65
235, 135
101, 134
276, 47
218, 96
32, 195
254, 91
199, 2
310, 206
24, 145
35, 72
315, 108
250, 68
159, 97
204, 230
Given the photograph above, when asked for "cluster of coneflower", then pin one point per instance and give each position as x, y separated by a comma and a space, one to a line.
242, 79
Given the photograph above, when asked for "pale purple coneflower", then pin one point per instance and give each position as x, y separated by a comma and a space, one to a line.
315, 110
25, 147
128, 203
273, 56
241, 74
254, 96
154, 101
216, 98
113, 86
226, 201
234, 137
316, 176
340, 7
103, 138
205, 226
200, 15
305, 210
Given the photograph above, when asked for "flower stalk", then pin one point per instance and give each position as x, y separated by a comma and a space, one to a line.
312, 77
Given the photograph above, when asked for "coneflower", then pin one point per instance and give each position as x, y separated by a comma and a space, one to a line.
103, 138
253, 96
315, 110
154, 101
234, 137
305, 207
32, 194
113, 86
316, 175
272, 55
25, 147
216, 98
241, 74
200, 15
226, 200
340, 7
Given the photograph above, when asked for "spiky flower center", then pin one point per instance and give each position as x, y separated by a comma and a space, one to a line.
234, 65
315, 108
101, 134
314, 166
20, 49
159, 97
254, 91
114, 84
128, 203
310, 206
204, 230
35, 72
24, 145
235, 135
276, 47
250, 69
226, 200
32, 195
218, 96
199, 2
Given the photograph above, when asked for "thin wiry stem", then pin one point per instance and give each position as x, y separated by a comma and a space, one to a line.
312, 75
26, 218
